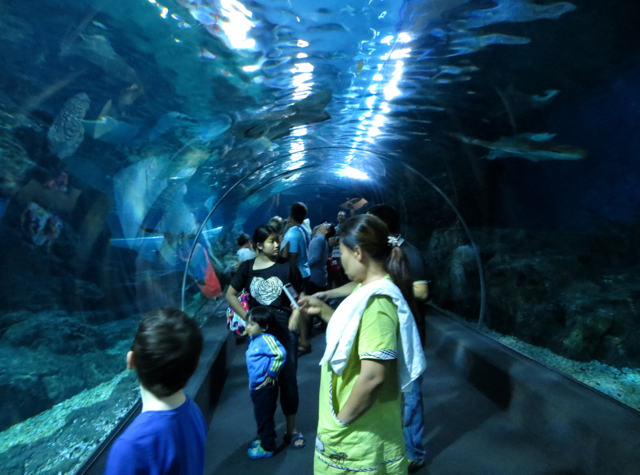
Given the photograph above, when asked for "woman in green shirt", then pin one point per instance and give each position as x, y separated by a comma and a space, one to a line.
373, 351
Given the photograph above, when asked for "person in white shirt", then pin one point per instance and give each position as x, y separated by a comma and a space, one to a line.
245, 252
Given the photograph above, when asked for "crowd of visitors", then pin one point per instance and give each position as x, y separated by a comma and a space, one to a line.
370, 401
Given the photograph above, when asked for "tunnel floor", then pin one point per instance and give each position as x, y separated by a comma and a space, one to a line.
465, 433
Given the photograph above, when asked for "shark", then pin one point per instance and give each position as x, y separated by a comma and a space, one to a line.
533, 147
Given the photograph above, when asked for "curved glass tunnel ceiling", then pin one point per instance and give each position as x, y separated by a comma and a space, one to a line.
122, 124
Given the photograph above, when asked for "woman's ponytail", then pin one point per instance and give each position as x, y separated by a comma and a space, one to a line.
398, 268
372, 235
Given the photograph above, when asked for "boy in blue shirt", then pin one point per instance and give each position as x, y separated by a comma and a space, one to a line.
265, 357
168, 437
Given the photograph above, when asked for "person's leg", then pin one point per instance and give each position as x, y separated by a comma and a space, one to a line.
414, 423
304, 346
265, 402
288, 382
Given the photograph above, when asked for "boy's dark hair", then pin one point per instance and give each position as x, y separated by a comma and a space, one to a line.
298, 211
242, 239
166, 350
388, 215
262, 316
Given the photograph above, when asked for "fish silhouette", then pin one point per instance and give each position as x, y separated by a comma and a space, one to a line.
533, 147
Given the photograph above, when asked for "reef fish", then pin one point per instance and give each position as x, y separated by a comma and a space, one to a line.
67, 132
534, 147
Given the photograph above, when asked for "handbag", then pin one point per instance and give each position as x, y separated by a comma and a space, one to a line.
235, 323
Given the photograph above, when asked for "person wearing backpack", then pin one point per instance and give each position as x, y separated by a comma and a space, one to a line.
296, 241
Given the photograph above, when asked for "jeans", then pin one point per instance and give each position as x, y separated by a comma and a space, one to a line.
414, 422
265, 402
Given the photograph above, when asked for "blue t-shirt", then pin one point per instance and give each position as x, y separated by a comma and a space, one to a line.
318, 253
298, 239
161, 443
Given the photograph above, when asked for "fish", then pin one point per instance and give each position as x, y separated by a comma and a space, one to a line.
67, 132
167, 122
533, 147
98, 50
278, 124
204, 131
107, 129
518, 104
211, 288
513, 11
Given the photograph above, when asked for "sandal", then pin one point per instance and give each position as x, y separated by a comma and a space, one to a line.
304, 350
291, 439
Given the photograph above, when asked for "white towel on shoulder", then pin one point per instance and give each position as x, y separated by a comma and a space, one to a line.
344, 324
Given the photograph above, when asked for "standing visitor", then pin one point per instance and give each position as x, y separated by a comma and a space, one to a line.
373, 352
265, 357
265, 278
168, 436
245, 252
296, 241
318, 254
413, 407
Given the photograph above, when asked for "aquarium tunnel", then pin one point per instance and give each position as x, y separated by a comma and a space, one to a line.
140, 138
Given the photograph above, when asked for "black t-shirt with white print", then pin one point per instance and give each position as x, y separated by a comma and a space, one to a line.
265, 286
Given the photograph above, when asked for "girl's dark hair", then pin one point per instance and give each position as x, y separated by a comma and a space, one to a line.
166, 350
261, 234
261, 316
372, 236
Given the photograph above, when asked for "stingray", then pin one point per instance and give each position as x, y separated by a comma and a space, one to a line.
277, 124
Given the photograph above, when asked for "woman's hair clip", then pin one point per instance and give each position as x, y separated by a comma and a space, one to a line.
395, 241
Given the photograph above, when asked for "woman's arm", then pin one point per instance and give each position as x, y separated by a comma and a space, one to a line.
234, 303
314, 306
365, 390
337, 293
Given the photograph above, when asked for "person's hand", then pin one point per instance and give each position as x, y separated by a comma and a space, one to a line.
267, 381
311, 304
320, 296
294, 321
